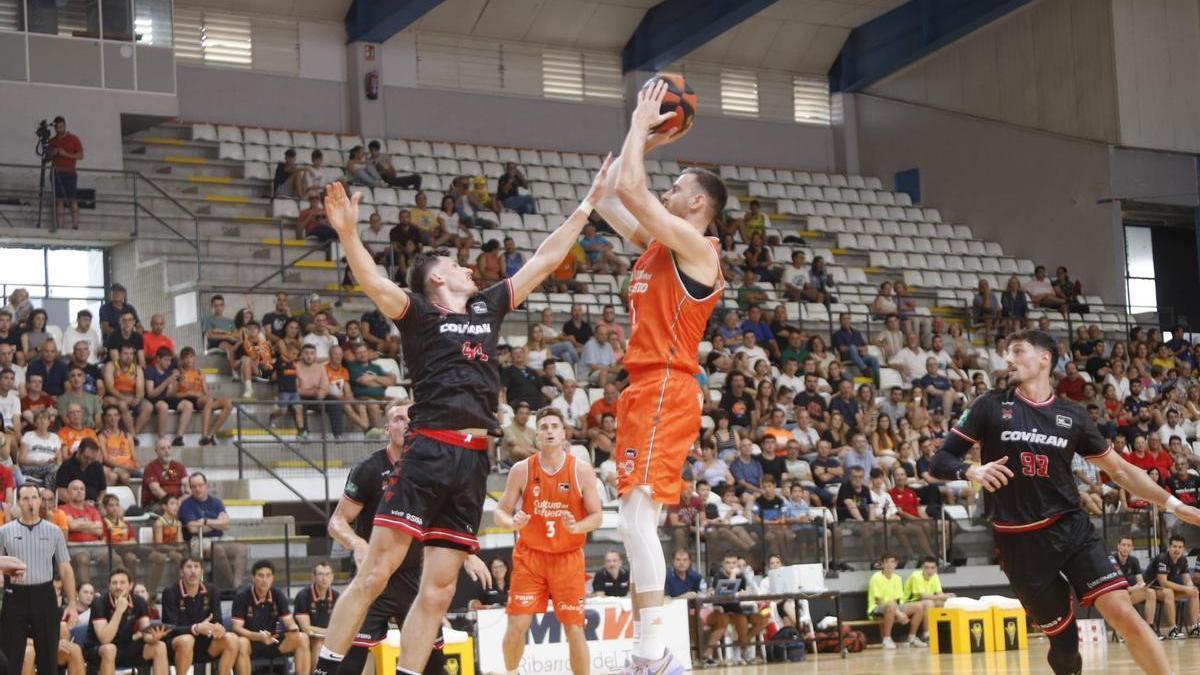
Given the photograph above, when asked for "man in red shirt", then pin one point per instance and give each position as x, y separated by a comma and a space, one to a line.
155, 337
65, 150
162, 476
1071, 386
84, 526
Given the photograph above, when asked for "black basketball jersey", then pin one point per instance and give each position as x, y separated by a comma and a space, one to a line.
365, 485
1039, 440
452, 359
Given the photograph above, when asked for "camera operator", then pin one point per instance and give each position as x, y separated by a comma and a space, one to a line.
64, 150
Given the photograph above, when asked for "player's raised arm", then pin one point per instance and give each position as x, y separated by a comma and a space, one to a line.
342, 212
617, 216
556, 246
696, 255
504, 515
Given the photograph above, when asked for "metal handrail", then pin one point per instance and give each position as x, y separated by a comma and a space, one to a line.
239, 443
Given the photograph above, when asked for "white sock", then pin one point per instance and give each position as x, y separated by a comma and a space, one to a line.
652, 645
332, 656
637, 630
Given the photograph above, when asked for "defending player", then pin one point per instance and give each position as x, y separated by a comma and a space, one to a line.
673, 289
450, 330
351, 527
559, 506
1046, 544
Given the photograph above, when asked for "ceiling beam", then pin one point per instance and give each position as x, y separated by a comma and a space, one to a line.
674, 28
378, 20
910, 32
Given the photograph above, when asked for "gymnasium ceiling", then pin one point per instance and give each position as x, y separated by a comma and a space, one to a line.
790, 35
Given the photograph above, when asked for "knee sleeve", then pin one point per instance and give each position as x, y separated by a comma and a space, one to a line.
639, 531
1064, 655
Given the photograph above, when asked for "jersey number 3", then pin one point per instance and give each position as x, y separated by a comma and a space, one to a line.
1033, 464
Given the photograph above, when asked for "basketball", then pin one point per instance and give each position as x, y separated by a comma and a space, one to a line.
679, 99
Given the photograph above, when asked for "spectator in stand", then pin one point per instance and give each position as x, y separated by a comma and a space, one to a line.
192, 388
162, 476
317, 175
65, 150
125, 387
910, 360
256, 361
117, 450
10, 405
508, 190
602, 258
111, 311
74, 431
51, 368
885, 598
118, 533
426, 221
126, 334
274, 321
577, 328
819, 283
321, 338
361, 172
985, 307
339, 391
477, 206
489, 266
1014, 309
220, 332
518, 438
884, 304
754, 223
851, 345
1070, 290
203, 515
597, 361
521, 383
1172, 426
162, 390
1043, 293
34, 334
941, 394
288, 182
41, 452
312, 384
383, 167
36, 400
311, 222
573, 404
747, 472
890, 339
155, 339
1071, 386
764, 335
795, 276
18, 373
259, 610
84, 526
511, 257
611, 580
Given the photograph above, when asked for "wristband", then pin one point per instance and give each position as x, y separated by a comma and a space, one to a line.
1172, 504
586, 207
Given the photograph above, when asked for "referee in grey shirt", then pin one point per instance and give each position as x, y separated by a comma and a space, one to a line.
30, 608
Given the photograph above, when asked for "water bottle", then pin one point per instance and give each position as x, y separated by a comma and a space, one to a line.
703, 586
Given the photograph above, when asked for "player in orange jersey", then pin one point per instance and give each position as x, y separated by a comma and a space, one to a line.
559, 505
672, 291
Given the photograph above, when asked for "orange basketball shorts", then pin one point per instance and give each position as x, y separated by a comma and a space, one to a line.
538, 577
658, 421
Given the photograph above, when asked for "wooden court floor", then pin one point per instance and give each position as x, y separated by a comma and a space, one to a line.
1110, 659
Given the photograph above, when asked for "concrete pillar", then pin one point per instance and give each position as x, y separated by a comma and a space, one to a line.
367, 116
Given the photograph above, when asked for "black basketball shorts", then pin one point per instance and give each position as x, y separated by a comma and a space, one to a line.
437, 492
1044, 566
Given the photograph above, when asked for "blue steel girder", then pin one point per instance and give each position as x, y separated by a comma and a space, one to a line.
378, 20
674, 28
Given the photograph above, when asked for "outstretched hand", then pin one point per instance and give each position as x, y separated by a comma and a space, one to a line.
993, 475
599, 189
341, 209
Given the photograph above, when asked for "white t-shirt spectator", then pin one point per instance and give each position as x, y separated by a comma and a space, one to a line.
807, 437
793, 382
18, 376
753, 354
323, 343
1034, 287
1166, 431
795, 276
41, 450
10, 408
92, 337
944, 359
575, 410
594, 354
375, 241
911, 364
996, 361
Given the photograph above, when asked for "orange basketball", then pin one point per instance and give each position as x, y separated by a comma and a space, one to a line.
679, 99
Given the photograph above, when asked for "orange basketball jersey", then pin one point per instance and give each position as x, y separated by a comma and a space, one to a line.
547, 497
666, 324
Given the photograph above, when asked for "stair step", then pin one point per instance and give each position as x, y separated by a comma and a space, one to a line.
216, 180
184, 159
